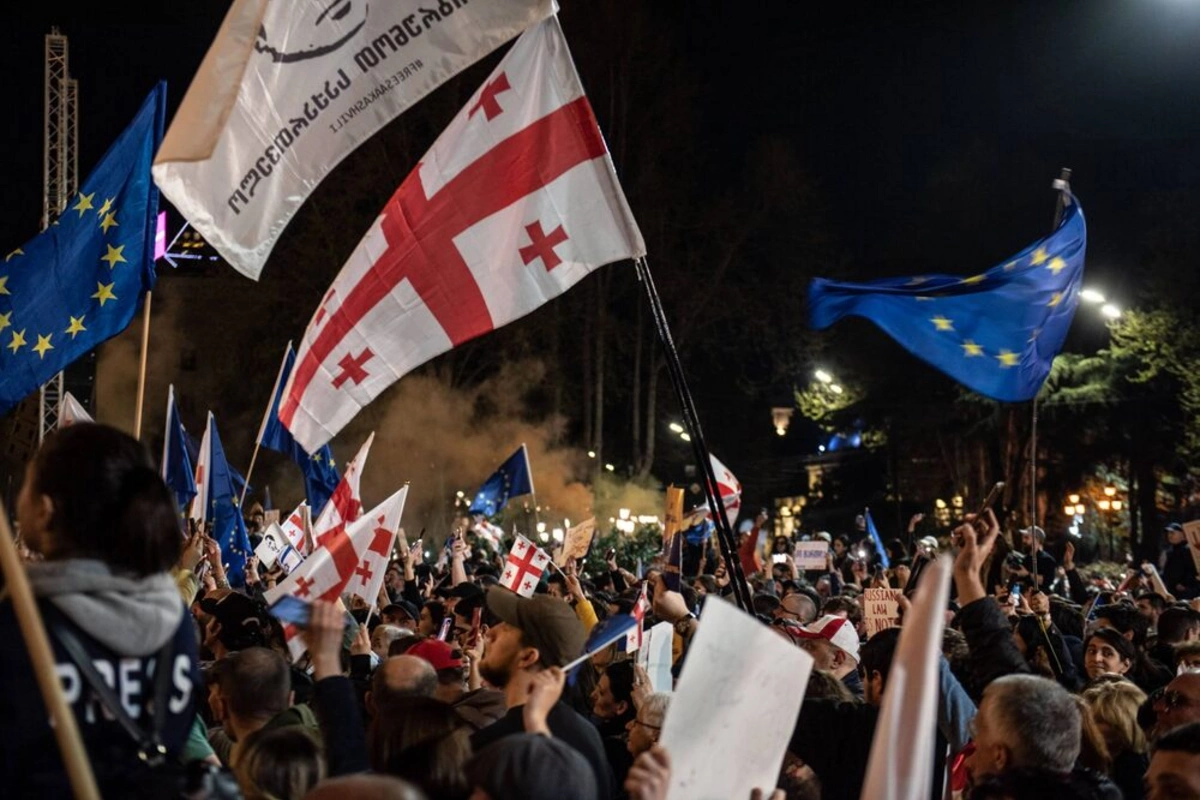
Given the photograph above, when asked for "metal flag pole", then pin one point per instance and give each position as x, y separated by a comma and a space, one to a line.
725, 538
1063, 186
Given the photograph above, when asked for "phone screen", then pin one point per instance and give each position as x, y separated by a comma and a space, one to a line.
290, 608
779, 558
447, 624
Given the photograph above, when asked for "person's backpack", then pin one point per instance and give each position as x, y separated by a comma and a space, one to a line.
162, 777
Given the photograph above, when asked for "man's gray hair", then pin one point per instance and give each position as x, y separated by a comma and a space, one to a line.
654, 708
1037, 720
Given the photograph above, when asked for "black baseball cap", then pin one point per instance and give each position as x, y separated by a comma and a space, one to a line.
402, 607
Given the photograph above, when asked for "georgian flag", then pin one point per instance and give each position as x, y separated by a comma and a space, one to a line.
374, 537
729, 489
293, 528
71, 411
523, 571
199, 510
515, 203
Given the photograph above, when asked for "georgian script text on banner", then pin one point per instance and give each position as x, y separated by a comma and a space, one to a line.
289, 89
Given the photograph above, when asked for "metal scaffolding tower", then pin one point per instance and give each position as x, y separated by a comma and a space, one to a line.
60, 176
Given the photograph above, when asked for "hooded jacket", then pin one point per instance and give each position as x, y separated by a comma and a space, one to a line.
122, 623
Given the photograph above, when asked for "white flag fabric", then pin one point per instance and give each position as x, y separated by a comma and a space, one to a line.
729, 489
344, 504
71, 411
901, 762
524, 568
374, 536
273, 543
293, 528
199, 511
291, 87
515, 202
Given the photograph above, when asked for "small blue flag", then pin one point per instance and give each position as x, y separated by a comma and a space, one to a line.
229, 528
178, 465
510, 480
996, 332
79, 282
879, 548
603, 634
320, 474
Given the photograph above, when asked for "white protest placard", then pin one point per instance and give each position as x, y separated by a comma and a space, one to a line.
880, 607
811, 555
273, 543
655, 656
736, 703
1192, 531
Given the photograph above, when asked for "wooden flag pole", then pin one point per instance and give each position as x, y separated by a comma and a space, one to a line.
66, 730
249, 472
141, 387
725, 537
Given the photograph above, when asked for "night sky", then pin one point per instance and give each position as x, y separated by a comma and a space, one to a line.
899, 111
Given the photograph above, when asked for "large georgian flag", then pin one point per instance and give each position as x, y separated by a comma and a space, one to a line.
515, 202
291, 87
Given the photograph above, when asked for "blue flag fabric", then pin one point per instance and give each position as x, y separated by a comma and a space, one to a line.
229, 528
178, 462
879, 548
996, 332
510, 480
603, 634
79, 282
239, 480
320, 473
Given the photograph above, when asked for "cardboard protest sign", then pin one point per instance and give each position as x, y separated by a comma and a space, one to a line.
655, 656
1192, 531
577, 541
673, 515
735, 704
273, 543
811, 555
880, 607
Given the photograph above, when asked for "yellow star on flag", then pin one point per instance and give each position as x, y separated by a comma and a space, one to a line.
317, 458
1055, 300
1039, 256
113, 256
76, 326
109, 221
942, 323
974, 279
104, 293
14, 254
43, 344
1008, 358
84, 204
4, 285
1056, 265
107, 207
18, 339
971, 349
5, 320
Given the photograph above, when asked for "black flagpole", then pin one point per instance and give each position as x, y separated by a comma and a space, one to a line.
741, 590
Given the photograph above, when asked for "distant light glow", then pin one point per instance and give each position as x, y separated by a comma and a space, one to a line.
610, 468
823, 376
1110, 311
591, 453
685, 436
675, 427
1091, 296
835, 388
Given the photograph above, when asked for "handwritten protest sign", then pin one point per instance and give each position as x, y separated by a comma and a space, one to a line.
577, 542
735, 704
880, 607
811, 555
1192, 531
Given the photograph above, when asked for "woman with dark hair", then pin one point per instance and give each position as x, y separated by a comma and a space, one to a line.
612, 709
95, 509
1107, 652
422, 740
432, 614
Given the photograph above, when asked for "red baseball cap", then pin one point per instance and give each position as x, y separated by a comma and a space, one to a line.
438, 653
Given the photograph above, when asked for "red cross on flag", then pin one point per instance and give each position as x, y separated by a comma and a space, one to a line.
633, 642
199, 510
293, 528
729, 489
526, 563
515, 203
374, 536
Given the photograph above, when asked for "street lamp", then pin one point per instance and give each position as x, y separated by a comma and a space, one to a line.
675, 427
685, 436
1110, 311
823, 376
835, 388
1091, 296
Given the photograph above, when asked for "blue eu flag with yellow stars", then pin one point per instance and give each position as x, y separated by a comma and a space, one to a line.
320, 474
996, 332
80, 281
511, 479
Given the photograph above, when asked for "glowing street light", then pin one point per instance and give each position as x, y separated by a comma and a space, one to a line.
1110, 491
610, 468
675, 427
823, 376
1110, 311
1073, 499
1091, 296
685, 436
591, 453
835, 388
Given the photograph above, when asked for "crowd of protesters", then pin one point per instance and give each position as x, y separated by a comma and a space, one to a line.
1051, 684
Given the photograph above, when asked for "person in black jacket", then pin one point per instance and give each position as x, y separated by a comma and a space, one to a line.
1179, 569
93, 506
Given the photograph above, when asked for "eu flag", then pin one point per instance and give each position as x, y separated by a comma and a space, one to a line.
178, 467
510, 480
879, 548
996, 332
320, 473
229, 528
79, 282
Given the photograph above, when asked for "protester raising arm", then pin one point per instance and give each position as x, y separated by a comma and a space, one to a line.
458, 557
333, 695
993, 653
1074, 582
583, 606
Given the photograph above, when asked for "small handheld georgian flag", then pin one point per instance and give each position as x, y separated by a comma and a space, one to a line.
526, 563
